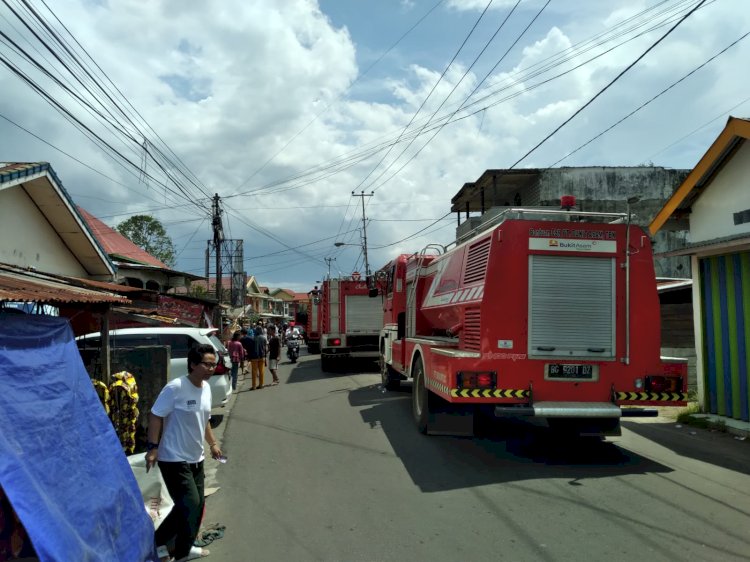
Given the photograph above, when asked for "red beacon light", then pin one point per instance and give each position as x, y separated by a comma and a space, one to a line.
567, 202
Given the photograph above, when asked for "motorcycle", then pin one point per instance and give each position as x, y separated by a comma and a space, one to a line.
292, 348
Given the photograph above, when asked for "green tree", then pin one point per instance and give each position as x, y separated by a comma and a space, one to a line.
148, 233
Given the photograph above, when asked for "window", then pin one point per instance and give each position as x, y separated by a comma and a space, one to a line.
179, 344
133, 340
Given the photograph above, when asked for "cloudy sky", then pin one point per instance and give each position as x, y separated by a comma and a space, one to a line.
284, 107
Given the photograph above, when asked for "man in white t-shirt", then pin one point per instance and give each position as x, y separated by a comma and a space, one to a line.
178, 423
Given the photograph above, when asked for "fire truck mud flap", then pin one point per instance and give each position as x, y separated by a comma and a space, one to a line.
435, 416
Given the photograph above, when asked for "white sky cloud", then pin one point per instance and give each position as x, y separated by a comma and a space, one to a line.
252, 94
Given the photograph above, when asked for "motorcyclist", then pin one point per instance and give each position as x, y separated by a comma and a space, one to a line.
292, 339
292, 332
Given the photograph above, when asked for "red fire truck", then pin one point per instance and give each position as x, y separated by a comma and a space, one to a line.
312, 326
350, 321
552, 315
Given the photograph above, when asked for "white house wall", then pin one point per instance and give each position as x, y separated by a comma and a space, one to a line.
712, 214
28, 240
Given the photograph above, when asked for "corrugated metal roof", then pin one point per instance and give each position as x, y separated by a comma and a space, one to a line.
664, 285
112, 287
20, 286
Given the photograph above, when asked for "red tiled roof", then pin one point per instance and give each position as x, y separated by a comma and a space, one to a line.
301, 296
115, 244
226, 282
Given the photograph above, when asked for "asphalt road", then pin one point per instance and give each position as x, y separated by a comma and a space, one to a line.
329, 467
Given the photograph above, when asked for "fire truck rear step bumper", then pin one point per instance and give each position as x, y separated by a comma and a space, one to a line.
562, 410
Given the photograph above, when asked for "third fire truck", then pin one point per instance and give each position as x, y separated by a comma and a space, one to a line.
547, 314
312, 326
350, 321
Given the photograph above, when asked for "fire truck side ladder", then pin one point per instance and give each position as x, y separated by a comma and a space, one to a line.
411, 296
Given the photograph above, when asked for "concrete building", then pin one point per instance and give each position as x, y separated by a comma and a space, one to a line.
604, 189
42, 230
715, 200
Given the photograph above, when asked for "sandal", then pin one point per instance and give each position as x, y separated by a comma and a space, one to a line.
195, 553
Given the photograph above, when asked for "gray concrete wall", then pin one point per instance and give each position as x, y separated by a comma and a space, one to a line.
607, 189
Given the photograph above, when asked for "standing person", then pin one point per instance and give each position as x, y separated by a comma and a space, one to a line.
261, 349
247, 339
178, 424
274, 353
236, 356
256, 362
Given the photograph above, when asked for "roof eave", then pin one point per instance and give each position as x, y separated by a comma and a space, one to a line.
720, 149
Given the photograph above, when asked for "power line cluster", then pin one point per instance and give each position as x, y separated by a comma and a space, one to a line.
45, 55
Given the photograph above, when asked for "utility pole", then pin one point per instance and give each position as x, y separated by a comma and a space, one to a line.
218, 239
328, 261
364, 228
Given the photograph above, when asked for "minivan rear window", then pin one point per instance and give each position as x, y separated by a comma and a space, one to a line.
179, 344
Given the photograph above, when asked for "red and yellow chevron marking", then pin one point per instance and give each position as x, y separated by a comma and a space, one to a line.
651, 396
488, 393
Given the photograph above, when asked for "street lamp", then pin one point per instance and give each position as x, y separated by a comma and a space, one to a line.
364, 249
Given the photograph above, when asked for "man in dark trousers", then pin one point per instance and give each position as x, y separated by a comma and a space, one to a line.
247, 340
178, 424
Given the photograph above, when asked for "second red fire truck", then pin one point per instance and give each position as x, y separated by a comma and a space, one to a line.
547, 314
349, 321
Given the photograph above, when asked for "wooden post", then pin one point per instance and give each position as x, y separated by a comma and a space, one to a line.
105, 358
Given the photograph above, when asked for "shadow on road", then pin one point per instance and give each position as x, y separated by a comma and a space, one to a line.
307, 369
713, 447
510, 451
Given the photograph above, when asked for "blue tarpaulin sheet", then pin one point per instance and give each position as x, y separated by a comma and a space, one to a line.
61, 463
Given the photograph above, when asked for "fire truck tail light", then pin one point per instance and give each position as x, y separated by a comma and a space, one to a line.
476, 379
661, 383
334, 341
484, 380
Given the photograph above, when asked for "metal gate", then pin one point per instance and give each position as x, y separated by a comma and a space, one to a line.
725, 282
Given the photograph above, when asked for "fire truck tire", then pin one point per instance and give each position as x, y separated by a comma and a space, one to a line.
325, 364
388, 376
422, 401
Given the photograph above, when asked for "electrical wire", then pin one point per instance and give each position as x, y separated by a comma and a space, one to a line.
607, 86
644, 104
328, 106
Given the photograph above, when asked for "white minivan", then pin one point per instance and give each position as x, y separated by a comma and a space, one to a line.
180, 340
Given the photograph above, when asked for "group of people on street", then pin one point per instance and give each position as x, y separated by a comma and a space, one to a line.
248, 351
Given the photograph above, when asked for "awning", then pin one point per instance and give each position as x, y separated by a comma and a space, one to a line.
18, 285
727, 244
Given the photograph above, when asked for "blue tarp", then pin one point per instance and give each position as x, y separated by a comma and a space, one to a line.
61, 464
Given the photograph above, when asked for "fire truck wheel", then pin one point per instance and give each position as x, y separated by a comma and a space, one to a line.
325, 364
388, 376
420, 398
